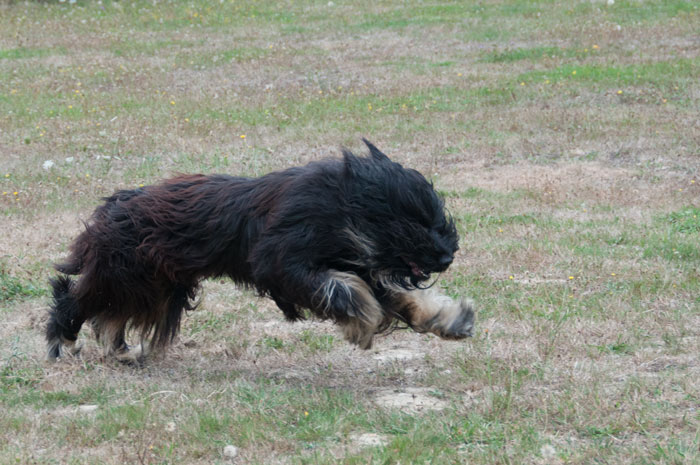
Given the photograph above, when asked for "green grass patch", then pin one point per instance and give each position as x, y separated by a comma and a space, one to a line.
532, 54
629, 11
210, 59
673, 249
662, 74
135, 48
12, 288
26, 52
315, 342
685, 220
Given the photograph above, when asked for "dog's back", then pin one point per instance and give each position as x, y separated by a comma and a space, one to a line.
143, 253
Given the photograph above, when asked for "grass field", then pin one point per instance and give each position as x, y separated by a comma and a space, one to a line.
564, 136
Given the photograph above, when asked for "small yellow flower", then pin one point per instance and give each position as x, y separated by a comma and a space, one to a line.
571, 277
595, 47
511, 277
459, 74
140, 185
187, 120
242, 136
87, 175
70, 107
619, 92
547, 81
15, 193
573, 72
612, 274
369, 106
522, 83
172, 102
306, 414
7, 175
4, 193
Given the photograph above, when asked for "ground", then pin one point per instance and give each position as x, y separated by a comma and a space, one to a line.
563, 135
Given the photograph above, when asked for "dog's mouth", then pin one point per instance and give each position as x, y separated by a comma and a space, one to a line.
418, 272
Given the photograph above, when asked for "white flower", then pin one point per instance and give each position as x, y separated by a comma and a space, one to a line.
547, 451
230, 451
48, 164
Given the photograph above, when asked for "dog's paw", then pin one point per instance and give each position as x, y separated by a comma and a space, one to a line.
462, 325
131, 355
454, 321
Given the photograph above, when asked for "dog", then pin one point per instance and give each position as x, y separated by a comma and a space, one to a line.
352, 240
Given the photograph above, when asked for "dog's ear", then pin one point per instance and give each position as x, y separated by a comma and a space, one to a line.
375, 152
351, 162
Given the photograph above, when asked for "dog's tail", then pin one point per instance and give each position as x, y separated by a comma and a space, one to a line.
64, 321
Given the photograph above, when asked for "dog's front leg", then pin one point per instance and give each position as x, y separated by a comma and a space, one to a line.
330, 294
426, 310
347, 299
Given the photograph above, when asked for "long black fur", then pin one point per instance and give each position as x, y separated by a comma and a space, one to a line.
302, 236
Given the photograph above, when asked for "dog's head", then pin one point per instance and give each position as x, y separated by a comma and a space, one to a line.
398, 221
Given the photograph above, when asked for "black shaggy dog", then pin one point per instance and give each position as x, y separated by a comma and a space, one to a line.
351, 240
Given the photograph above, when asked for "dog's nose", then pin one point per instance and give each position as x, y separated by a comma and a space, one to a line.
445, 260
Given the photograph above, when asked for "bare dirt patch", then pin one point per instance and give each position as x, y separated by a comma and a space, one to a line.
410, 400
362, 440
398, 355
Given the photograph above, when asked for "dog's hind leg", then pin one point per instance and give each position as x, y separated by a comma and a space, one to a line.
425, 310
112, 334
65, 320
131, 355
